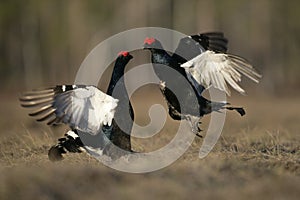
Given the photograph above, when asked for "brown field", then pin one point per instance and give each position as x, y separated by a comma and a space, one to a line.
257, 157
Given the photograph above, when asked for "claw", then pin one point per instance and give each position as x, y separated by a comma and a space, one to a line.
195, 123
199, 130
198, 125
199, 135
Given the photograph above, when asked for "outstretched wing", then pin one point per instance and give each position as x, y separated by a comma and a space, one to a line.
214, 41
191, 46
82, 107
218, 69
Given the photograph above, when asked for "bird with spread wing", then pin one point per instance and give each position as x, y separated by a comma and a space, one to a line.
203, 62
89, 112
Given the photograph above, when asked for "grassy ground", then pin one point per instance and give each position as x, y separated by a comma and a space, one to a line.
257, 156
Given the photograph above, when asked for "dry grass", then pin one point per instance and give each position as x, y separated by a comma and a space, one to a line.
258, 156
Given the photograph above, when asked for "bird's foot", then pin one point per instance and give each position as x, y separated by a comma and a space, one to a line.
199, 130
199, 135
195, 125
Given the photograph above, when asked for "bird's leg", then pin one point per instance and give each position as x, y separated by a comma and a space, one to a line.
194, 123
199, 129
176, 115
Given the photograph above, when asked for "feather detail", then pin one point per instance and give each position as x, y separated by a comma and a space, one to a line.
218, 70
85, 108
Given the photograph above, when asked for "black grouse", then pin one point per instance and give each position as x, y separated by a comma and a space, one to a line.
200, 62
93, 116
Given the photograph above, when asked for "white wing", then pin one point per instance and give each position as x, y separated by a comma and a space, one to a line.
218, 69
85, 108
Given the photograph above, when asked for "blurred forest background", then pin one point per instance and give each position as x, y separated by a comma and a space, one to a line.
44, 42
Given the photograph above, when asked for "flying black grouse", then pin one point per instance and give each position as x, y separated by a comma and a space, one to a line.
93, 116
200, 60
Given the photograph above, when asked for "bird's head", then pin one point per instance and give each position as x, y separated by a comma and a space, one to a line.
124, 55
152, 43
123, 58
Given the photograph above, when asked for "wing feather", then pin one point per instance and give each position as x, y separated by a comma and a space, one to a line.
219, 69
85, 108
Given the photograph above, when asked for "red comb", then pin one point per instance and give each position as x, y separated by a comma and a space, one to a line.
123, 53
149, 40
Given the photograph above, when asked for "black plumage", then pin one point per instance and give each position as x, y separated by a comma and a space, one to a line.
124, 115
69, 104
190, 96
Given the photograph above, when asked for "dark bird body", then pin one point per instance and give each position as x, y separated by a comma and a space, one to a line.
124, 112
70, 104
193, 102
